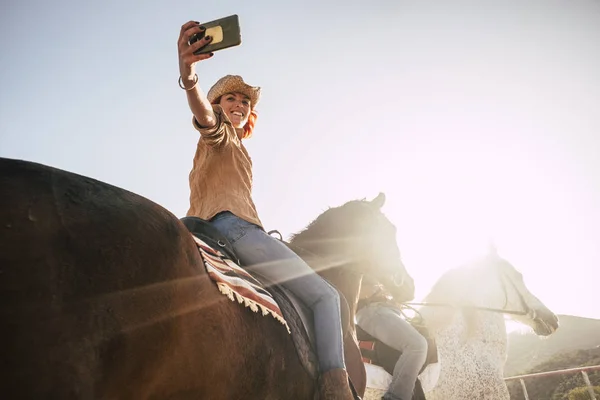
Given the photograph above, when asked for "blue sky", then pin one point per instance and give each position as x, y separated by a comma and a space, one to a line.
476, 119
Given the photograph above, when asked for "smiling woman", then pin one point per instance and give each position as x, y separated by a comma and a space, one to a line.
238, 103
236, 106
221, 183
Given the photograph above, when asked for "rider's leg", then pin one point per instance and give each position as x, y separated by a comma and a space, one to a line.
269, 257
385, 323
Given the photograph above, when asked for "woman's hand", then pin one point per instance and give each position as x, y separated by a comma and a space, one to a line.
187, 58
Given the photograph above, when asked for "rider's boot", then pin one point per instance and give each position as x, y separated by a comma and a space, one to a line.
334, 385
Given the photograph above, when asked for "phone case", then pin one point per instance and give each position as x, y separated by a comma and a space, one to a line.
224, 31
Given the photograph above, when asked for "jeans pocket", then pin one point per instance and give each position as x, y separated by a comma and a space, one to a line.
230, 226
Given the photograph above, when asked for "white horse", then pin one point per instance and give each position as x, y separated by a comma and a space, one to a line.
466, 316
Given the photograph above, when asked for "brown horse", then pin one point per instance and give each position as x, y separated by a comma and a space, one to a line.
104, 295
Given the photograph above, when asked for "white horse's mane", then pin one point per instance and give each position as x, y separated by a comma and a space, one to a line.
454, 289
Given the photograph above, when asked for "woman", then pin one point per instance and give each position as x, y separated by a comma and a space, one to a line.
221, 185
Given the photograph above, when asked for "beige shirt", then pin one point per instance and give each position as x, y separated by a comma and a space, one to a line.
221, 176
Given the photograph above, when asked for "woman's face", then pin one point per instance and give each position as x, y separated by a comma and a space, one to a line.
237, 108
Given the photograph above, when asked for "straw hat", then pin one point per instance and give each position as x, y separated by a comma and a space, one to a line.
234, 84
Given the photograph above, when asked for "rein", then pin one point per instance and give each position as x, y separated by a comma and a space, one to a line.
526, 309
496, 310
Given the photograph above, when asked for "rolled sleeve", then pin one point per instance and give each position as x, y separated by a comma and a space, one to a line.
217, 134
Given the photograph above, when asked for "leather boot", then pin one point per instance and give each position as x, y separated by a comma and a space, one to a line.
334, 385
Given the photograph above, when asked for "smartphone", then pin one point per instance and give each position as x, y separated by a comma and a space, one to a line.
225, 33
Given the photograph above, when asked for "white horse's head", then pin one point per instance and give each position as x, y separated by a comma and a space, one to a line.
490, 283
520, 304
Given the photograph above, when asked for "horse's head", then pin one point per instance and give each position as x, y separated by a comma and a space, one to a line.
362, 240
490, 283
529, 310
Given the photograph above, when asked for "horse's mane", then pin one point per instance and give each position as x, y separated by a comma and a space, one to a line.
312, 227
327, 224
453, 289
449, 287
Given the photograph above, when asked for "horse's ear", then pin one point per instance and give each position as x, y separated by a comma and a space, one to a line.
492, 249
378, 201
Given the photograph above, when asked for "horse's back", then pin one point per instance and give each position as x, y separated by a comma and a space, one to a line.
85, 273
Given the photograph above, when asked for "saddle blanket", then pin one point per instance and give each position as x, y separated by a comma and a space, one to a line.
237, 284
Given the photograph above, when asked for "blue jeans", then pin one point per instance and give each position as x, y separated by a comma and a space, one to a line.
272, 259
385, 323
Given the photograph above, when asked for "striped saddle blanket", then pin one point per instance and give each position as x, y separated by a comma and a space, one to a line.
237, 284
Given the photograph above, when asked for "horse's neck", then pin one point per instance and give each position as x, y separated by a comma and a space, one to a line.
451, 290
335, 268
477, 327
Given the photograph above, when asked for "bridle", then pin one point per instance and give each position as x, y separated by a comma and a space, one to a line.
526, 309
496, 310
